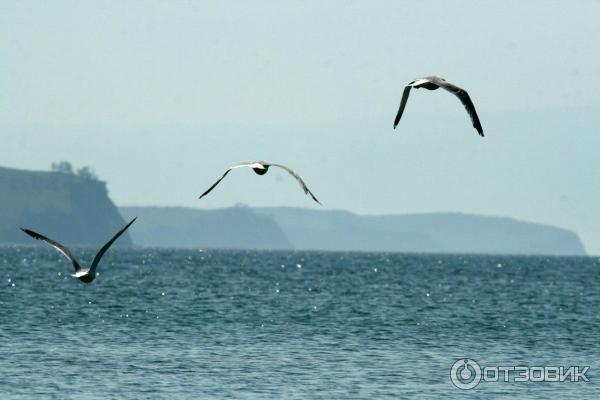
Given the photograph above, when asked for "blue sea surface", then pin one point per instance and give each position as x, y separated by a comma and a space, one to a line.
192, 324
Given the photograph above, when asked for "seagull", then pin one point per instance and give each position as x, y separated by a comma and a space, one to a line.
432, 83
83, 274
261, 168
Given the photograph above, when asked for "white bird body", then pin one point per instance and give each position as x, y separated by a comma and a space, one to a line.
85, 275
417, 83
81, 272
255, 165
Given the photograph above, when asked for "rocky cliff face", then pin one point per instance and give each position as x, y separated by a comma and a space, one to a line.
66, 207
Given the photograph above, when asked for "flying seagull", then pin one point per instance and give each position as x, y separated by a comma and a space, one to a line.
261, 168
432, 83
84, 274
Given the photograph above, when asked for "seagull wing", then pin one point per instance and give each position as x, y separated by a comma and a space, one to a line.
402, 105
108, 244
62, 249
295, 175
241, 165
465, 100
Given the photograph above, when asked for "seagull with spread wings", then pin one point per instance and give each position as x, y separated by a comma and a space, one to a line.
433, 83
83, 274
261, 168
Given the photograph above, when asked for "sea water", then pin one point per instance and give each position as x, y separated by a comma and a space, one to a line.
192, 324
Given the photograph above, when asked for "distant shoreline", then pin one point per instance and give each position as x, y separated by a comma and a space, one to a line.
288, 228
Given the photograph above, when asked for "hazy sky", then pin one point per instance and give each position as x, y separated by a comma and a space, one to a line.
161, 97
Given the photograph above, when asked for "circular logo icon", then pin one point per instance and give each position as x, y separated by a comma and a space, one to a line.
465, 374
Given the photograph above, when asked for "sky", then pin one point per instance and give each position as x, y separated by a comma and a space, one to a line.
160, 97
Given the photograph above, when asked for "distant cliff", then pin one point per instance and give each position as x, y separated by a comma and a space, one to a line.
287, 228
72, 209
76, 210
228, 228
429, 233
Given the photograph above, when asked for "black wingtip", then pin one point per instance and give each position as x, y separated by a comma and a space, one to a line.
31, 233
129, 223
